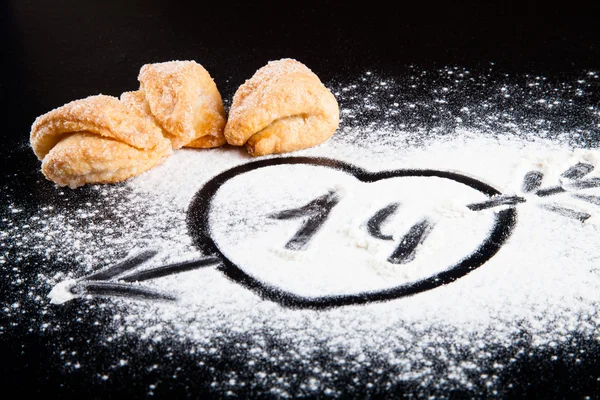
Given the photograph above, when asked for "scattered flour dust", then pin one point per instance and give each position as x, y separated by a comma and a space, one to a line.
542, 285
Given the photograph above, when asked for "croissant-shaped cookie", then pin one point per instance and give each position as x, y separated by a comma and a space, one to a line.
283, 107
96, 140
183, 100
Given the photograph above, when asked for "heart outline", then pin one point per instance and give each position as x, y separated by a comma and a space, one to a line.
199, 229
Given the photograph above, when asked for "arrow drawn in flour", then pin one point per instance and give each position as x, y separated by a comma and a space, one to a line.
123, 278
573, 179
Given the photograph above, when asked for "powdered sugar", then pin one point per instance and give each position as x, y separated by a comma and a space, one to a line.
342, 257
538, 293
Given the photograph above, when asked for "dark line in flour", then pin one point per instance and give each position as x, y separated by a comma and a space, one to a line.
566, 212
122, 267
550, 191
589, 198
100, 288
171, 269
532, 181
407, 248
495, 202
585, 183
375, 222
315, 212
578, 171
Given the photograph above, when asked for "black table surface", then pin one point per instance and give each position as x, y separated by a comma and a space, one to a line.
58, 51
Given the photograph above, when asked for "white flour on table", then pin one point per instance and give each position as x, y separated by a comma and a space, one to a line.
542, 284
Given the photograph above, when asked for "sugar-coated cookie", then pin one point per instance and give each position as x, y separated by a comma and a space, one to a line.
96, 140
283, 107
182, 98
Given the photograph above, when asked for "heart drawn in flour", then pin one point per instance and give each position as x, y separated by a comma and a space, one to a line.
318, 233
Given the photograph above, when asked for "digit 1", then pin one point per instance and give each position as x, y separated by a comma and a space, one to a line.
315, 212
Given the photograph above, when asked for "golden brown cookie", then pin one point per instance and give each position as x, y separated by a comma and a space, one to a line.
183, 100
137, 103
283, 107
96, 140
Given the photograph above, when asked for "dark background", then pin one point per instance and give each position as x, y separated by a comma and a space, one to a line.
58, 51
